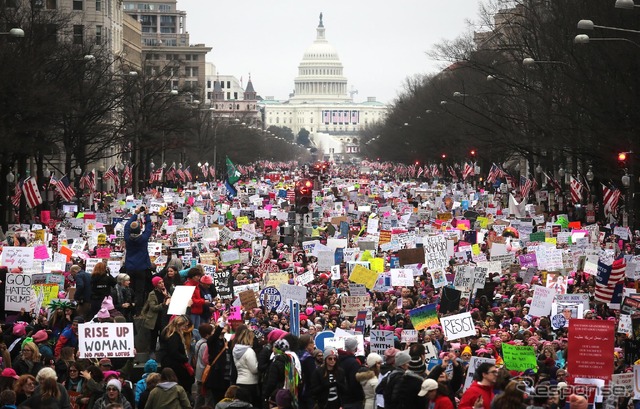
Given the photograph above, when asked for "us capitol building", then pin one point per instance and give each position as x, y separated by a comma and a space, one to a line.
323, 105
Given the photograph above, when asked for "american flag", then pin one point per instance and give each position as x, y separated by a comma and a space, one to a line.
187, 173
511, 181
494, 173
554, 183
171, 174
64, 188
435, 171
525, 186
112, 173
606, 283
420, 170
425, 169
17, 194
31, 193
576, 190
180, 174
610, 197
212, 172
452, 172
205, 170
467, 171
88, 181
156, 176
127, 175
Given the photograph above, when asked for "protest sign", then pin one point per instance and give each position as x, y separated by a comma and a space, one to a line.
409, 336
105, 340
458, 326
541, 303
248, 299
424, 316
352, 304
276, 279
17, 292
623, 380
401, 277
590, 348
14, 257
180, 299
293, 292
411, 256
48, 291
221, 280
229, 257
380, 341
357, 289
463, 280
270, 298
435, 253
182, 238
519, 357
363, 275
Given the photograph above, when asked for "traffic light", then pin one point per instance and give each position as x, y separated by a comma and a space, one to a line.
473, 153
303, 190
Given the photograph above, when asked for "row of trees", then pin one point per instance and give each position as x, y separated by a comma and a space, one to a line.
67, 104
570, 105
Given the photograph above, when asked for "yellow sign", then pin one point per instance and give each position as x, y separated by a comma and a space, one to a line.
39, 235
483, 221
475, 249
241, 221
362, 275
50, 291
551, 240
377, 264
102, 239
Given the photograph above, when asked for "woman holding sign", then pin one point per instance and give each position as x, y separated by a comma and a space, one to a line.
173, 353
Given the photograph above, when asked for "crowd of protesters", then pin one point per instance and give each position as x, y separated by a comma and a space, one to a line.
210, 358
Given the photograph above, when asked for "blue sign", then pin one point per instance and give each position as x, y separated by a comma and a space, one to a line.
321, 336
270, 298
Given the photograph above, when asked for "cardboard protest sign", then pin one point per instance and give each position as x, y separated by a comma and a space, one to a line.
590, 348
409, 336
411, 256
458, 326
424, 316
221, 280
248, 299
519, 357
352, 304
435, 253
17, 292
180, 299
106, 340
229, 257
363, 275
541, 303
381, 341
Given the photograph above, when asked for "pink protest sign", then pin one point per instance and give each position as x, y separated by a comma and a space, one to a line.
103, 252
40, 253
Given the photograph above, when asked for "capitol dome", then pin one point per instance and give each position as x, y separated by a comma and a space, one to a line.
320, 73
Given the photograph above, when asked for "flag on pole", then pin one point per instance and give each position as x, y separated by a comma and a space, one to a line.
187, 173
127, 175
171, 174
180, 174
212, 172
525, 186
554, 183
452, 172
31, 193
64, 188
420, 170
494, 173
112, 173
576, 190
205, 170
17, 194
156, 176
610, 197
467, 171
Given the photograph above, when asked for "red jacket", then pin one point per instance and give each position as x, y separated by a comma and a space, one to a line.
471, 395
442, 402
197, 307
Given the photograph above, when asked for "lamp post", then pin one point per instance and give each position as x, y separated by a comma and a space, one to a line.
627, 217
14, 32
585, 39
77, 171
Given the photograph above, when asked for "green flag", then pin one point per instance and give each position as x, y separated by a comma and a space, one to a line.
233, 175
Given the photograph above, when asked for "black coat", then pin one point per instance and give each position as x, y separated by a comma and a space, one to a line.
350, 365
404, 394
320, 385
275, 377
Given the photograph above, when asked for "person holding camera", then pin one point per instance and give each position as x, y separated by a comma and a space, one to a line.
137, 263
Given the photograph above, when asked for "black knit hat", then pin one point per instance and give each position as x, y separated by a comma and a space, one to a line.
417, 365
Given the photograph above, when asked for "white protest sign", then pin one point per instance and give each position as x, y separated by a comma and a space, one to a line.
182, 238
91, 263
542, 300
357, 289
293, 292
409, 336
401, 277
14, 257
435, 253
352, 304
458, 326
335, 342
17, 292
335, 272
180, 299
624, 380
106, 340
305, 278
380, 341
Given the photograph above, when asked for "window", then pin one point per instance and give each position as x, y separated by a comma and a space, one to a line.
221, 84
78, 34
191, 57
229, 97
171, 42
98, 35
164, 7
52, 4
78, 5
208, 84
228, 84
235, 95
98, 5
191, 71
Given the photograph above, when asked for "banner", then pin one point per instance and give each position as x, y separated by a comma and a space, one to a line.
590, 348
105, 340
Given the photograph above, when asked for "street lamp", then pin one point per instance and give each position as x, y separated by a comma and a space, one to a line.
561, 172
590, 174
625, 4
10, 176
585, 39
14, 32
152, 165
538, 169
530, 62
626, 179
588, 25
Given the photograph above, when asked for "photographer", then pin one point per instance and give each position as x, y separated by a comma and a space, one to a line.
137, 263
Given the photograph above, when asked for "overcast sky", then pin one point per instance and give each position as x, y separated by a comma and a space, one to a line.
380, 42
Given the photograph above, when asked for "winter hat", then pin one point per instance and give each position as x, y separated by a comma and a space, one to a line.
19, 329
9, 373
402, 358
577, 402
107, 303
329, 351
428, 385
155, 280
275, 335
103, 314
283, 399
116, 383
417, 365
282, 345
134, 228
40, 336
151, 366
105, 362
351, 344
390, 356
373, 359
206, 279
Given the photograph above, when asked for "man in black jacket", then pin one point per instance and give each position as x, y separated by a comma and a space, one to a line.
354, 395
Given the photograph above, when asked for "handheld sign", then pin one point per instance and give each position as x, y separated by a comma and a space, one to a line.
106, 340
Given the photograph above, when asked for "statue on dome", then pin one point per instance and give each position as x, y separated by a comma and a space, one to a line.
320, 19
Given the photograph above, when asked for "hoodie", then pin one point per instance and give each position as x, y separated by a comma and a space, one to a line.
471, 395
168, 395
246, 363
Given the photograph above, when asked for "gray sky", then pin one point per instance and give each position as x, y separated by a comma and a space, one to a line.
380, 42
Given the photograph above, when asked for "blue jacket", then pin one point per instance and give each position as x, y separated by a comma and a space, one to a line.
137, 255
83, 287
